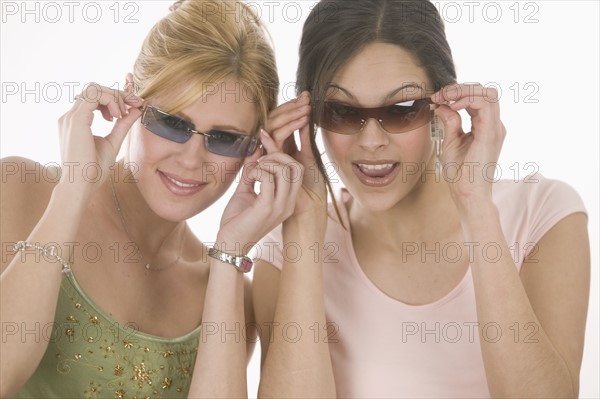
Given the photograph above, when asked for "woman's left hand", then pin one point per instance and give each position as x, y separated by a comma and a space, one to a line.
470, 159
250, 216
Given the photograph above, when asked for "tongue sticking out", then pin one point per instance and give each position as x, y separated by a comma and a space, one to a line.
376, 171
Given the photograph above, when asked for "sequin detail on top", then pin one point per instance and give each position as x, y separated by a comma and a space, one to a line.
90, 355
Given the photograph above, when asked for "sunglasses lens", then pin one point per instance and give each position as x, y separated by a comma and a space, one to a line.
230, 144
167, 126
341, 118
178, 130
398, 118
406, 116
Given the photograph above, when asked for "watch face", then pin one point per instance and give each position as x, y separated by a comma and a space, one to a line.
246, 264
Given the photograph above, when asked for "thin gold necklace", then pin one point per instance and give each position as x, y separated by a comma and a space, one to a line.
137, 247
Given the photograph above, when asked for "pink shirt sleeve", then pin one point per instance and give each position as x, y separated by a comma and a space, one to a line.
549, 202
530, 208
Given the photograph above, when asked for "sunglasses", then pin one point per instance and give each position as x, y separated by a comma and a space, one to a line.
179, 130
396, 118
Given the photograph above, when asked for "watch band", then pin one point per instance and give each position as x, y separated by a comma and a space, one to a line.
242, 263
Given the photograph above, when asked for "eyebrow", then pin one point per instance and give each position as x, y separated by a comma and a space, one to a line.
185, 117
389, 96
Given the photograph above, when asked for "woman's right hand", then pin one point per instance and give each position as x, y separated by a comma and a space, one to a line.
282, 123
86, 158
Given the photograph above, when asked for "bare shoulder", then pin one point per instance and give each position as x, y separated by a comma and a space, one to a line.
25, 190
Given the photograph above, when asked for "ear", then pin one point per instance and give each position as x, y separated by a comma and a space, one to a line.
129, 85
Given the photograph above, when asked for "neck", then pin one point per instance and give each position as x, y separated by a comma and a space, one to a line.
426, 213
159, 240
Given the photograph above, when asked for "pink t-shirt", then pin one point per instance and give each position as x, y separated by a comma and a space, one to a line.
383, 348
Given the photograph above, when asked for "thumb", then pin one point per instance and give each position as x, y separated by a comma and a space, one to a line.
248, 174
267, 142
452, 122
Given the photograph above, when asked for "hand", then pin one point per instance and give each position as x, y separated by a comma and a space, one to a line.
473, 155
250, 216
87, 158
283, 121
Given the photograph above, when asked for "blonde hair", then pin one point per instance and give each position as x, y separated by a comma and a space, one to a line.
203, 43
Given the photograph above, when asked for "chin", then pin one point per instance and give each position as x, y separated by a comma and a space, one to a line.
383, 198
181, 209
380, 201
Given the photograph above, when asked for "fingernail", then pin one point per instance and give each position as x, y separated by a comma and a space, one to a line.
134, 98
264, 133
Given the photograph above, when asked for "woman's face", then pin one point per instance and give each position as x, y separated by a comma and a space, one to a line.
378, 168
180, 180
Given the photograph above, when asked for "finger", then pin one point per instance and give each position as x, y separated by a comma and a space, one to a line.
281, 134
282, 165
114, 109
105, 113
280, 175
249, 178
290, 106
250, 163
269, 145
452, 123
133, 101
278, 157
121, 128
282, 120
267, 184
96, 97
289, 146
252, 159
479, 108
457, 91
285, 116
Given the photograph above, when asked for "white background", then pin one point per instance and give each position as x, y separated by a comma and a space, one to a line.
543, 56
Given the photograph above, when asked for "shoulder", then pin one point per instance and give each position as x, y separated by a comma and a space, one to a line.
535, 204
537, 192
23, 175
26, 188
26, 184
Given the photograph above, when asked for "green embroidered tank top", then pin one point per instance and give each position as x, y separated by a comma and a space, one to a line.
90, 355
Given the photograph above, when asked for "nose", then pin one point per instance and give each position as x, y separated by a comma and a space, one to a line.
372, 136
193, 152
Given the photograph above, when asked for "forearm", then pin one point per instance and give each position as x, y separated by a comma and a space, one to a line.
220, 369
298, 363
30, 286
519, 358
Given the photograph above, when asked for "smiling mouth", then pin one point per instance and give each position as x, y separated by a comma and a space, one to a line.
376, 174
376, 170
178, 187
181, 184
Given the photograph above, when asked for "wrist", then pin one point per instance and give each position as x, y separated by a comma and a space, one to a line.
237, 261
478, 212
232, 246
310, 225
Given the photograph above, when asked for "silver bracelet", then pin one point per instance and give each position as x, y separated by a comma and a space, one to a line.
49, 253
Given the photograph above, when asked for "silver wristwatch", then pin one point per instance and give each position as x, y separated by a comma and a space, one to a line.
242, 263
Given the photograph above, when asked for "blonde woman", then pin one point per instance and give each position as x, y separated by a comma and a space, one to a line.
131, 303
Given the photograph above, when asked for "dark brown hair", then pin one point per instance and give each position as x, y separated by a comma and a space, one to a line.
337, 30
